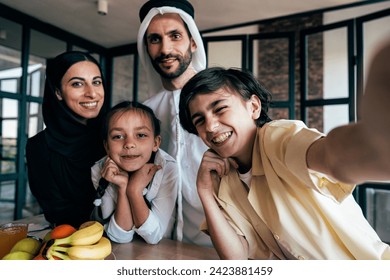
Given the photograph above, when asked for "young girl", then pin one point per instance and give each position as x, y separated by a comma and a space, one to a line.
262, 197
142, 191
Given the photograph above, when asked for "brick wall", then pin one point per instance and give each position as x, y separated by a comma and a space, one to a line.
272, 58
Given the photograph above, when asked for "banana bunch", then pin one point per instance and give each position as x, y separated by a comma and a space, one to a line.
85, 235
87, 243
97, 251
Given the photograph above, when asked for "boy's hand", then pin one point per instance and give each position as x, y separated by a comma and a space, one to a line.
211, 170
139, 179
113, 174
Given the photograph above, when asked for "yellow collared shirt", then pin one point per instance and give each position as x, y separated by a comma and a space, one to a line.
291, 212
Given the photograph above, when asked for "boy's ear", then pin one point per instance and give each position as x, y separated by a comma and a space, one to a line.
58, 94
255, 103
157, 142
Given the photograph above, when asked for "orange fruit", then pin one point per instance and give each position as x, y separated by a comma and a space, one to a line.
62, 231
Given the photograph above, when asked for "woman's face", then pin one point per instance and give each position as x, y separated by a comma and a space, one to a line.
82, 89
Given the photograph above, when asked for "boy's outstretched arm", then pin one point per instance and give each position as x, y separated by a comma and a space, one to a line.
228, 244
360, 152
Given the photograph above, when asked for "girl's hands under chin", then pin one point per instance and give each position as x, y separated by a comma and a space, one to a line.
113, 174
140, 178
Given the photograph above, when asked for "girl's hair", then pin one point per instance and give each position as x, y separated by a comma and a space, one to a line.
215, 78
126, 106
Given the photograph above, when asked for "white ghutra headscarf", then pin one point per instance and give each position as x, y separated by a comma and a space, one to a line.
198, 57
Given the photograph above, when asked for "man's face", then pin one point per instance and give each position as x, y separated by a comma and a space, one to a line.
169, 45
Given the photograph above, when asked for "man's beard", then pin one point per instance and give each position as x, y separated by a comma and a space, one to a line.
184, 62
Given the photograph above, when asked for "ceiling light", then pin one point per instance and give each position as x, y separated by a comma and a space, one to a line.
102, 7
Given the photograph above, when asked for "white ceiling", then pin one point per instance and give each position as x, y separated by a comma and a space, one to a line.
120, 26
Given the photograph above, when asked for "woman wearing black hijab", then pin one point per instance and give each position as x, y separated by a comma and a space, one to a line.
60, 157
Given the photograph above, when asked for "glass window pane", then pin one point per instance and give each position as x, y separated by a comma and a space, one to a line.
36, 76
9, 108
9, 129
34, 83
325, 118
10, 56
7, 193
34, 108
271, 66
123, 79
9, 85
328, 65
35, 119
225, 54
335, 115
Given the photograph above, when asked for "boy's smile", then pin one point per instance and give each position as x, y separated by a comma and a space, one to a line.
220, 139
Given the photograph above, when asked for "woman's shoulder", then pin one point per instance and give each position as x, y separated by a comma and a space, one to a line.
36, 143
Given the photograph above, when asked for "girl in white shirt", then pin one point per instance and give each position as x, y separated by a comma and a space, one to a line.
142, 179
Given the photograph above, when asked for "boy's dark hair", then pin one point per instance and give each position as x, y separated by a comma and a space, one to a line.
215, 78
126, 106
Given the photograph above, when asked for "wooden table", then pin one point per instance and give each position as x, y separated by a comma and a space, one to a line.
138, 249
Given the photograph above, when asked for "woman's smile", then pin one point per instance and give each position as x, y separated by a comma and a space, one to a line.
89, 105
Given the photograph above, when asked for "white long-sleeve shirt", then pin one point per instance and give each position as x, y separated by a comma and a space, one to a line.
161, 193
188, 150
